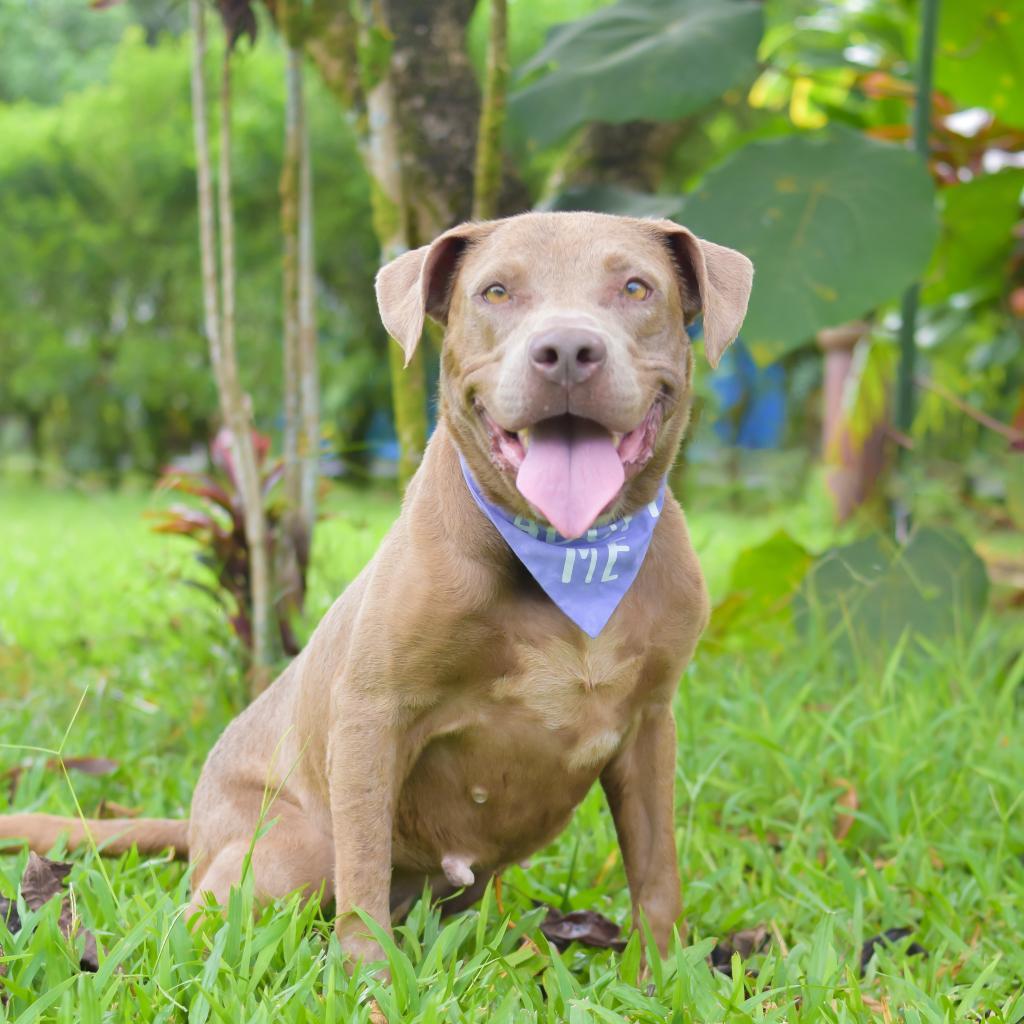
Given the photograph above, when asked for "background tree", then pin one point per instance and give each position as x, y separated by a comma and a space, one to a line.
220, 332
301, 435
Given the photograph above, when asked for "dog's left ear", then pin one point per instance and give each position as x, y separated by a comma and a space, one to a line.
418, 283
722, 279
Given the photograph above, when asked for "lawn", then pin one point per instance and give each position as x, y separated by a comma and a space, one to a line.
824, 803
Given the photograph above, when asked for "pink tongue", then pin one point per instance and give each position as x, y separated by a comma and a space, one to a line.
570, 473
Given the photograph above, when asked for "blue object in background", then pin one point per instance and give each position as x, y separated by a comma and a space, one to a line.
751, 398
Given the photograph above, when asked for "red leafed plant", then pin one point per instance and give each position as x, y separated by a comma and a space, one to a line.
215, 520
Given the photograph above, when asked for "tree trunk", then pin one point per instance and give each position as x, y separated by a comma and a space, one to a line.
418, 111
852, 467
487, 176
309, 376
394, 233
220, 330
289, 189
238, 411
289, 567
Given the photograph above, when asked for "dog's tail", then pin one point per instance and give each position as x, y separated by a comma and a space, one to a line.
112, 836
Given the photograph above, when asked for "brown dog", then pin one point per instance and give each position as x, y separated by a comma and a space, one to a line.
446, 717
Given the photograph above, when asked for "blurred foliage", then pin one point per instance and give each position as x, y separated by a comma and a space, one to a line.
101, 351
981, 54
864, 599
213, 518
835, 224
652, 59
758, 606
778, 127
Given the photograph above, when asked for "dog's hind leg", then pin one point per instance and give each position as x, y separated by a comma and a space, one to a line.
290, 855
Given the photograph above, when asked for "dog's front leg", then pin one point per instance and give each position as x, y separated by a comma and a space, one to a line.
363, 766
640, 786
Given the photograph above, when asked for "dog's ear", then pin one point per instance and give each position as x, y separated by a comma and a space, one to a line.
418, 284
717, 283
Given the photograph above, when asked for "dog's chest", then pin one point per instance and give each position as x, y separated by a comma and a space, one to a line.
505, 758
582, 693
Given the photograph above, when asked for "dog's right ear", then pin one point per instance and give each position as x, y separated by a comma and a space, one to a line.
419, 283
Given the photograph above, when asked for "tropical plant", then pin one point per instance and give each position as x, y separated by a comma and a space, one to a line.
214, 519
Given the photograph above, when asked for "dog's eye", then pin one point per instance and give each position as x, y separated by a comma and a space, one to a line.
496, 294
636, 290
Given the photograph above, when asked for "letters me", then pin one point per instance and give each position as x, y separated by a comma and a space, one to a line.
588, 557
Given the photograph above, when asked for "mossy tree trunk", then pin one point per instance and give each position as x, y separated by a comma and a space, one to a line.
488, 173
403, 71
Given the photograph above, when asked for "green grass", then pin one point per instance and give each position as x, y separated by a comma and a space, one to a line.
104, 651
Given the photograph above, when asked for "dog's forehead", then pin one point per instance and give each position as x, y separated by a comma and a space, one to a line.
542, 243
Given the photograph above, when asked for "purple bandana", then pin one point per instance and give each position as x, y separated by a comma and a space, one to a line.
586, 577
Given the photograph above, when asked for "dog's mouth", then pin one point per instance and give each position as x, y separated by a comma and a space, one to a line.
569, 468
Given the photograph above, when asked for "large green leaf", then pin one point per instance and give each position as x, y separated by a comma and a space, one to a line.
980, 56
864, 596
977, 235
761, 588
639, 59
836, 223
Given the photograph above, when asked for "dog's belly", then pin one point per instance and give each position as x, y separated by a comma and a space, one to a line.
503, 766
490, 794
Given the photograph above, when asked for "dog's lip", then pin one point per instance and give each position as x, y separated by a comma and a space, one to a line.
635, 447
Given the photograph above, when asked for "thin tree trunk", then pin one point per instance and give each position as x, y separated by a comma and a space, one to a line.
487, 177
853, 467
309, 377
289, 567
290, 232
391, 218
204, 185
220, 331
237, 409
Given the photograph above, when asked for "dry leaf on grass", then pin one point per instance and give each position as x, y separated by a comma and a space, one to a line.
110, 809
586, 927
887, 937
41, 881
85, 765
848, 804
746, 942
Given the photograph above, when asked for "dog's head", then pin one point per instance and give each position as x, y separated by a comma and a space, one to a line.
566, 364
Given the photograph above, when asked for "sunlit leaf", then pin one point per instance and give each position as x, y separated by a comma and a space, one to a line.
651, 59
980, 56
977, 235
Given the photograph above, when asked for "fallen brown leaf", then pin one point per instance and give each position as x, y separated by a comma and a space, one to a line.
587, 927
849, 801
40, 882
85, 765
889, 936
111, 809
746, 942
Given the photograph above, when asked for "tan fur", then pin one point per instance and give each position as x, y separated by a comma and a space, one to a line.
446, 718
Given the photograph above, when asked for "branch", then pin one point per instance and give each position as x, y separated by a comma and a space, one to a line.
1014, 436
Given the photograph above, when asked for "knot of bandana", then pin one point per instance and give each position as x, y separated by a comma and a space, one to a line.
586, 577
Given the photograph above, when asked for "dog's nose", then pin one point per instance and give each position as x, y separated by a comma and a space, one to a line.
568, 355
